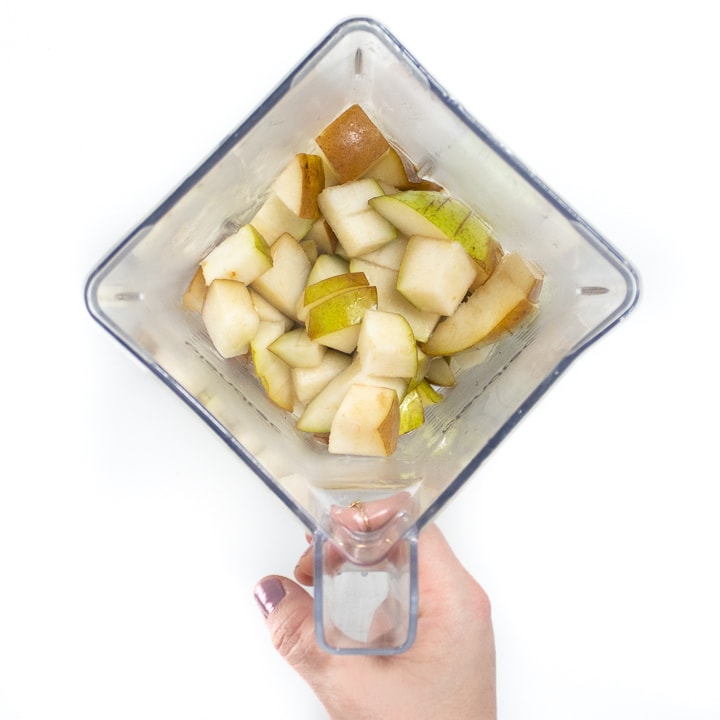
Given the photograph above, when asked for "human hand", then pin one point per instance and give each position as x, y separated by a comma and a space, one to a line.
448, 672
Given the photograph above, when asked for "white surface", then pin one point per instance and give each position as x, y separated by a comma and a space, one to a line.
130, 537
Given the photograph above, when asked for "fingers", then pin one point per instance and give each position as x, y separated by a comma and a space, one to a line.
288, 611
371, 515
304, 570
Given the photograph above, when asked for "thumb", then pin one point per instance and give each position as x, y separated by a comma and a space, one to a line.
288, 611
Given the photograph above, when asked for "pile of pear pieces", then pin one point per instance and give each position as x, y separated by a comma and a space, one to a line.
354, 288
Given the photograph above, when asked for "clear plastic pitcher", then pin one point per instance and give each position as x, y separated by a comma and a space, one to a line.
365, 513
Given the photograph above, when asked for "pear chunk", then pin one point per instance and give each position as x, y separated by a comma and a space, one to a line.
274, 218
390, 169
299, 184
435, 214
435, 275
274, 374
514, 284
327, 266
317, 292
366, 423
284, 283
352, 143
194, 295
324, 238
359, 289
391, 300
230, 317
309, 381
335, 322
297, 350
386, 345
242, 256
358, 228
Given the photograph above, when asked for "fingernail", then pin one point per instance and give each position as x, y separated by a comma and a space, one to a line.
268, 594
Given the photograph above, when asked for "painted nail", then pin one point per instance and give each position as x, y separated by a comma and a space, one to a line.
268, 594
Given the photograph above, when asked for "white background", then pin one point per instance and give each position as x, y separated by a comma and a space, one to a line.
130, 536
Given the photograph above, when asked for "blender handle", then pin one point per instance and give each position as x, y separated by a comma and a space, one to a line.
366, 609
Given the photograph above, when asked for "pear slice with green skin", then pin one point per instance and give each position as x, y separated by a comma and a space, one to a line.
412, 412
367, 422
322, 290
432, 213
274, 373
242, 256
386, 345
514, 283
297, 350
230, 317
428, 394
335, 322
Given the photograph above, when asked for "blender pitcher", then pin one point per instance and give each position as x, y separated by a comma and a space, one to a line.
365, 513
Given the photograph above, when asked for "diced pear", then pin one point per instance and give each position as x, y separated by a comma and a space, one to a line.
323, 237
297, 350
327, 266
299, 184
435, 214
513, 284
324, 289
310, 249
389, 255
320, 410
423, 364
274, 218
335, 322
242, 256
440, 373
283, 284
386, 345
309, 381
274, 374
352, 143
358, 227
435, 275
194, 295
230, 317
389, 168
390, 299
428, 394
367, 422
267, 311
331, 177
412, 412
